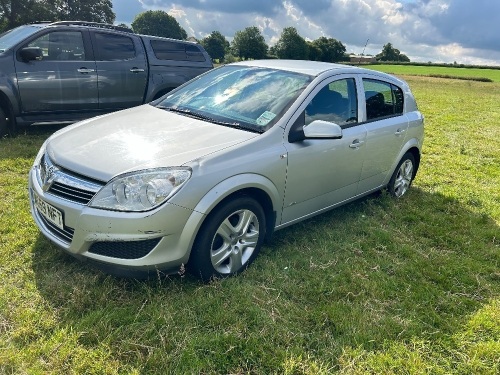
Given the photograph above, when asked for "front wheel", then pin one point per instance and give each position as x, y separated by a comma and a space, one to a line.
4, 124
229, 240
403, 176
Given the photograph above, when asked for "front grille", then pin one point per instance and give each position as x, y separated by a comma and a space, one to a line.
71, 193
65, 184
124, 249
65, 235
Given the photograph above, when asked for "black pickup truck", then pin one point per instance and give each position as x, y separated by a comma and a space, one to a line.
62, 72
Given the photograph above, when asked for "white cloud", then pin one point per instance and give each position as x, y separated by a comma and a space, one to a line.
426, 30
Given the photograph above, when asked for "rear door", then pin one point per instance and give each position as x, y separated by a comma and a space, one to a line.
386, 126
121, 69
65, 79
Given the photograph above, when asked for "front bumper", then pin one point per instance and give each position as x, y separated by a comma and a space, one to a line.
126, 242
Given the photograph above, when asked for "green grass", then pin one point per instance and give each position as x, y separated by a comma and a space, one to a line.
380, 286
493, 74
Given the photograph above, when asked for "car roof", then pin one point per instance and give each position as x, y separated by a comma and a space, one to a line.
313, 68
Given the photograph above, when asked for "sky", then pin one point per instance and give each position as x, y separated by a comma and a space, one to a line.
465, 31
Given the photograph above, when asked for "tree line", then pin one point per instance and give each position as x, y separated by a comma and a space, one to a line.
248, 43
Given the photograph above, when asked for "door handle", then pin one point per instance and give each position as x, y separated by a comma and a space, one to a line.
356, 143
399, 131
136, 70
85, 70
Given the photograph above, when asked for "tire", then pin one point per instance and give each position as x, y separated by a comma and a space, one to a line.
229, 240
403, 176
4, 124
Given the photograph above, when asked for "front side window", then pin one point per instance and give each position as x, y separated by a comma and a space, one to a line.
336, 102
251, 98
61, 46
112, 47
382, 99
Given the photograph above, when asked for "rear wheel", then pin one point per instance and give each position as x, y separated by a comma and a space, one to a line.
229, 240
403, 176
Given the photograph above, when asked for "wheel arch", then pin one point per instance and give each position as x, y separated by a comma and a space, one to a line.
412, 147
6, 106
256, 186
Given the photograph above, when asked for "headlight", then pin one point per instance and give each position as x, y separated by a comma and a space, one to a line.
142, 190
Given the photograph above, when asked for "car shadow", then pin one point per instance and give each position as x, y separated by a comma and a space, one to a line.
326, 256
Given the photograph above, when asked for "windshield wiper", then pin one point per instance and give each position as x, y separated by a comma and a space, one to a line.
200, 116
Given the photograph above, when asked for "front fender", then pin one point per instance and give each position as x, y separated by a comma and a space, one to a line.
235, 184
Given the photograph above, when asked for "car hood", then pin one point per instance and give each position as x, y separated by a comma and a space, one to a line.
138, 138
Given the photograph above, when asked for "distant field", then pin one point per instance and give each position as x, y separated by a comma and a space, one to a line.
492, 74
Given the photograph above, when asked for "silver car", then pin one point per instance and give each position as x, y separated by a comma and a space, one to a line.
203, 176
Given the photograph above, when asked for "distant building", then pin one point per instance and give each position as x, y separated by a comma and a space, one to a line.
356, 59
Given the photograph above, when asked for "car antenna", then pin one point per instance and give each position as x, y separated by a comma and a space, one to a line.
363, 53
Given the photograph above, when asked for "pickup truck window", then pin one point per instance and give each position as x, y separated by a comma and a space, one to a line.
112, 47
61, 46
193, 53
10, 38
167, 50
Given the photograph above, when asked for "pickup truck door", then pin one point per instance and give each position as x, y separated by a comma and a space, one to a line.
65, 79
121, 68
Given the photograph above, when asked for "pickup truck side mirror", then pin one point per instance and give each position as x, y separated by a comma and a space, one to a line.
320, 129
31, 53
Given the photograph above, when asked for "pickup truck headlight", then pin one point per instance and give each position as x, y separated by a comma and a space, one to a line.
142, 190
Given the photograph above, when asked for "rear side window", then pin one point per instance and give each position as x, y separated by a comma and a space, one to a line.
383, 99
168, 50
112, 47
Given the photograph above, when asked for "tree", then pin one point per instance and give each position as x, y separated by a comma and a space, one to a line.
389, 53
291, 45
216, 45
249, 43
159, 23
86, 10
14, 13
18, 12
327, 49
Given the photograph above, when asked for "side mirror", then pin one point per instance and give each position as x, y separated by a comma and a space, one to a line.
31, 53
320, 129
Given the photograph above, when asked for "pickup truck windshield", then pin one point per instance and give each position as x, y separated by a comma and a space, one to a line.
244, 97
12, 37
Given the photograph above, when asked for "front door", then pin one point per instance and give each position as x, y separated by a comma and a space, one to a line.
324, 172
64, 80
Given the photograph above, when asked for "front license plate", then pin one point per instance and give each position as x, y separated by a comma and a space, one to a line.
49, 212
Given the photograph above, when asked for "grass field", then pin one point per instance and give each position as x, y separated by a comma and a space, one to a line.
493, 74
382, 286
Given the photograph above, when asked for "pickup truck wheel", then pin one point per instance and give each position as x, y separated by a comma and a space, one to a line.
229, 240
4, 124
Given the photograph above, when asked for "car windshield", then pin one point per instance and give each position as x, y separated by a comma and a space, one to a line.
12, 37
250, 98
